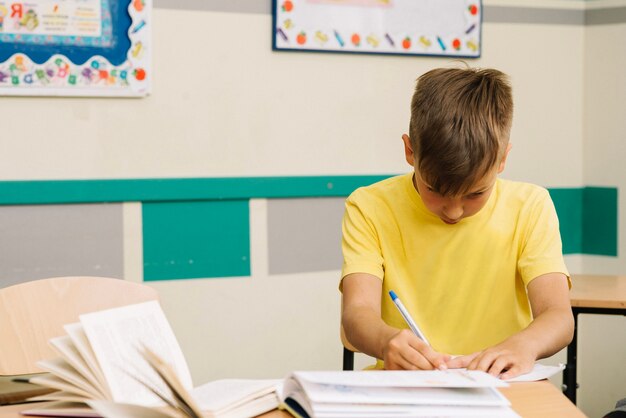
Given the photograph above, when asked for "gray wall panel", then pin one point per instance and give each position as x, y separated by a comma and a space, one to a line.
233, 6
605, 16
304, 235
60, 240
502, 14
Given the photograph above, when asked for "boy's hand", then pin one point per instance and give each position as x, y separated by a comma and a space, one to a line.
405, 351
506, 360
551, 329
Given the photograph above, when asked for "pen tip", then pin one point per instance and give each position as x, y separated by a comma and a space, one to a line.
392, 294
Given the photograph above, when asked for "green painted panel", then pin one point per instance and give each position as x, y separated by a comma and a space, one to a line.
569, 208
184, 240
600, 221
588, 219
150, 190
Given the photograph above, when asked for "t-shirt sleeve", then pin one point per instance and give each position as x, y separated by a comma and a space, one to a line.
360, 244
541, 250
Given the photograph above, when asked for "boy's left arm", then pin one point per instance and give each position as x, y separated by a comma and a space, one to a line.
551, 329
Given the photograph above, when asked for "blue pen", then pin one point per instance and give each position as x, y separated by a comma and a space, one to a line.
441, 44
339, 38
139, 26
407, 317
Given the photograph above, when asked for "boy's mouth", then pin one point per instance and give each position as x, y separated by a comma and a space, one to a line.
449, 221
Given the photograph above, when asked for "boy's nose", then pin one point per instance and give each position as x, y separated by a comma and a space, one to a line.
453, 211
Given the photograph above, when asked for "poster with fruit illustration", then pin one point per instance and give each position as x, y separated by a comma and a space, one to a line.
409, 27
75, 47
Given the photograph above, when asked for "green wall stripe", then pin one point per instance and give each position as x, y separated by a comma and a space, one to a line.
588, 215
153, 190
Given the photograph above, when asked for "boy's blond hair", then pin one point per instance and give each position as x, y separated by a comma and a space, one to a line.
460, 125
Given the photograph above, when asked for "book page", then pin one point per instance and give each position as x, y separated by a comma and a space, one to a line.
54, 382
61, 409
60, 396
425, 378
109, 409
61, 368
340, 394
413, 411
81, 343
178, 397
66, 349
226, 394
539, 372
252, 408
117, 336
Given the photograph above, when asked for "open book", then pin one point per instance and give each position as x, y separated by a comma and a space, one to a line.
117, 357
391, 394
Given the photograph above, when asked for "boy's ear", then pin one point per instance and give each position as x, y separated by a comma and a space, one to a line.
503, 162
408, 150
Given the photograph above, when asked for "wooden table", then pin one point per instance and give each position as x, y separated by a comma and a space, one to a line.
595, 295
530, 400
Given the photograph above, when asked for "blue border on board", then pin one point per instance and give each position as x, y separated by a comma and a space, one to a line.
395, 54
115, 54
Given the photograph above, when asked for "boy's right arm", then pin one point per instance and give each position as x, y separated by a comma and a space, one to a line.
365, 329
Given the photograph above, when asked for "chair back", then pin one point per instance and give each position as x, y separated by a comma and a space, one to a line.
33, 312
348, 349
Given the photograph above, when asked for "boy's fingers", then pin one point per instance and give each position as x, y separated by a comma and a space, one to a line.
511, 373
498, 366
482, 362
418, 360
461, 361
436, 359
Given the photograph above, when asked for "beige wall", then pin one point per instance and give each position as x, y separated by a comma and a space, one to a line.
603, 348
249, 111
243, 110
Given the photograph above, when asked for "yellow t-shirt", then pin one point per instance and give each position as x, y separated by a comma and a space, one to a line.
464, 284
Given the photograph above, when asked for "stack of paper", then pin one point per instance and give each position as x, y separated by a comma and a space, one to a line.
387, 394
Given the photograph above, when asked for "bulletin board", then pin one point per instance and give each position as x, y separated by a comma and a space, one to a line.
406, 27
75, 47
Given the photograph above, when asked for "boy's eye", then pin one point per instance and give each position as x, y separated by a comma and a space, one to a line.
476, 195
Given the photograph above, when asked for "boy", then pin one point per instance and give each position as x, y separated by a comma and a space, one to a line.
475, 259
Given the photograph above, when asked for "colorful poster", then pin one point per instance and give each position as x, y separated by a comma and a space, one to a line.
53, 19
409, 27
75, 47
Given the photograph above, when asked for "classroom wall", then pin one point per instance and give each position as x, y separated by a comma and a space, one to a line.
604, 148
237, 109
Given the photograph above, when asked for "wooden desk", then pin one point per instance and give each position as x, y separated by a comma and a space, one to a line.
530, 400
596, 295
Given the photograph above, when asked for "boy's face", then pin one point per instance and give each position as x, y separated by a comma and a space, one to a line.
452, 209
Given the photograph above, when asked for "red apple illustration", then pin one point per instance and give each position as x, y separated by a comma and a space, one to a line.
301, 38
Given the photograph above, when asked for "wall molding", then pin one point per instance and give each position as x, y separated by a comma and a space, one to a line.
584, 14
177, 189
588, 215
